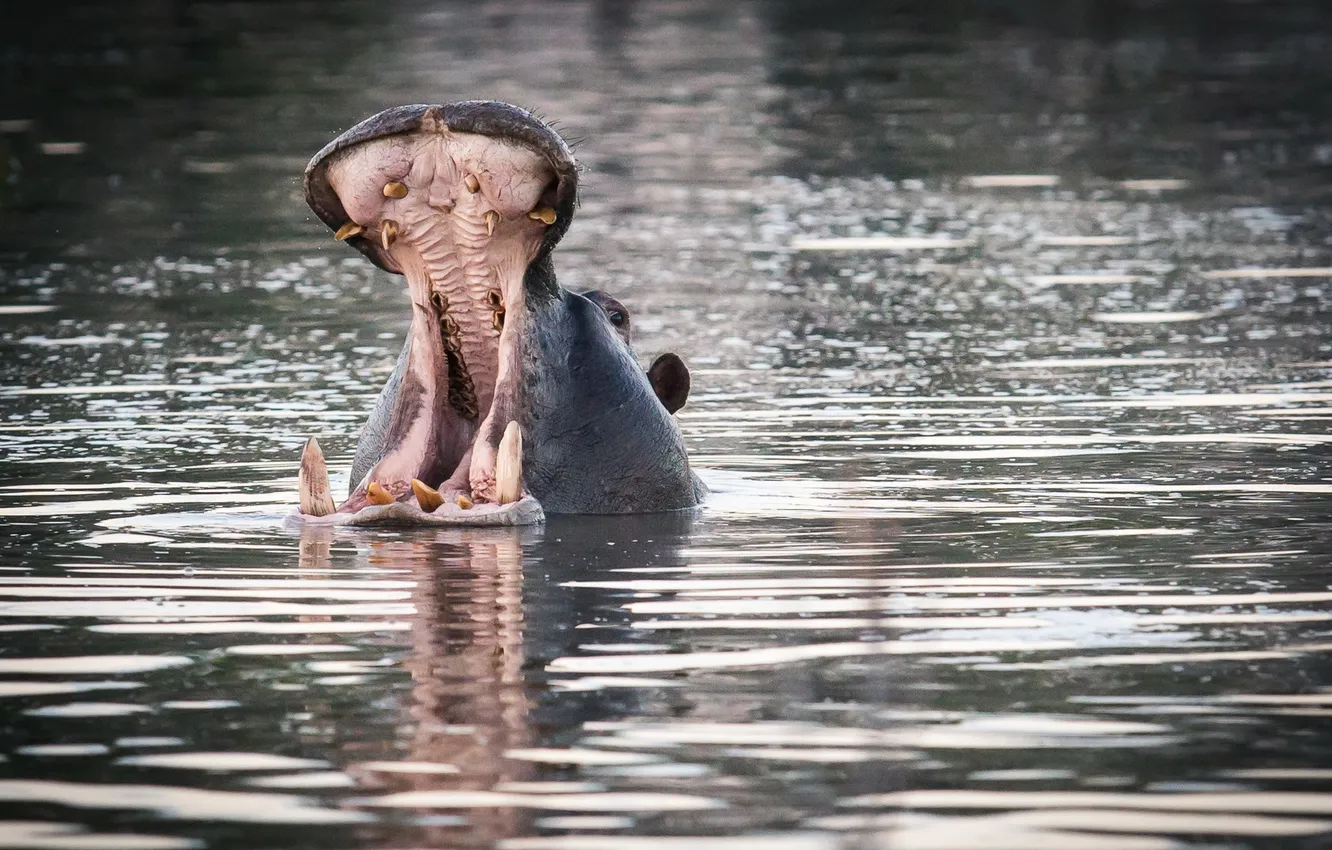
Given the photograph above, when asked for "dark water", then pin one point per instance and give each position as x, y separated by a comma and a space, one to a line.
1021, 528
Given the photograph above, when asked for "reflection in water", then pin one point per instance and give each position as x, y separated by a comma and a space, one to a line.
469, 703
1011, 380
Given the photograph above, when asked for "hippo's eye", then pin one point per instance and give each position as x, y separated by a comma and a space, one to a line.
617, 318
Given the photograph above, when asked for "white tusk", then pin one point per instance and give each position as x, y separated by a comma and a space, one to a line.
509, 465
312, 481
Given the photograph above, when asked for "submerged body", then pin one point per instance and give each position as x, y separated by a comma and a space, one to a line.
467, 201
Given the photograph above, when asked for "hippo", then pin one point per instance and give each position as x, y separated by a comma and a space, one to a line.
668, 374
513, 396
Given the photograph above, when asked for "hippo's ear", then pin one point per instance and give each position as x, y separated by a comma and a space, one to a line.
670, 380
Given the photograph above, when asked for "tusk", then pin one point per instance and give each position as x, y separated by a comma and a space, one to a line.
509, 465
395, 190
426, 496
492, 221
312, 481
464, 502
545, 215
348, 230
388, 231
473, 184
377, 495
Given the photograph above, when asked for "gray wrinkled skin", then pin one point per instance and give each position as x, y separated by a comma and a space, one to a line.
606, 444
373, 443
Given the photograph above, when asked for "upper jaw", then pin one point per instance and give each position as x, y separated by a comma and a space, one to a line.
498, 121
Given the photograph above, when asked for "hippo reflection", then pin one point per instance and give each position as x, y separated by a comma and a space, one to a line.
512, 395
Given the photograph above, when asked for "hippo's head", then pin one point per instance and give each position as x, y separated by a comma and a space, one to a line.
467, 201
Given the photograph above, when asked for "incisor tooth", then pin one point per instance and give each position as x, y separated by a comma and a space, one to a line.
377, 495
348, 230
464, 502
426, 496
312, 481
492, 221
545, 215
395, 190
509, 465
473, 184
388, 231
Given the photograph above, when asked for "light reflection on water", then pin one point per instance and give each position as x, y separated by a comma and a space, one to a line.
1011, 380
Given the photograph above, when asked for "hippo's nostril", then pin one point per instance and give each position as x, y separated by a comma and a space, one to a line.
550, 195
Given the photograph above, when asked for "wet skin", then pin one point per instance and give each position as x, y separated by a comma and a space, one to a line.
468, 200
668, 374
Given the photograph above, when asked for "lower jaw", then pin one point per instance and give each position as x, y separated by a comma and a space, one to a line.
452, 505
442, 422
458, 367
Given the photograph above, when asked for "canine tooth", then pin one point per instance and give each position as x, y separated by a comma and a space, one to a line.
377, 495
312, 481
492, 221
388, 232
545, 215
348, 230
426, 496
473, 184
509, 465
464, 502
395, 190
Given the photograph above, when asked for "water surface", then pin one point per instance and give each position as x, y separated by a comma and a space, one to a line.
1009, 334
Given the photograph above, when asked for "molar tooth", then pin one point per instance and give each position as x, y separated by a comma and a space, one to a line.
492, 221
395, 190
388, 232
473, 184
377, 495
464, 502
312, 481
426, 496
348, 230
497, 320
509, 466
495, 299
545, 215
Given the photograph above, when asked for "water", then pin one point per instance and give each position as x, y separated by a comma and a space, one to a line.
1020, 533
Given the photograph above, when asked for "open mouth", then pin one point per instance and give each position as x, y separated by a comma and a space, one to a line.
466, 201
